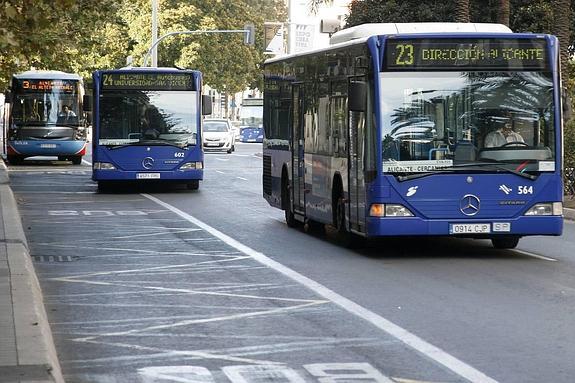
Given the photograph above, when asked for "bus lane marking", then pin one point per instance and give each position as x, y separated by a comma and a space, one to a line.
430, 351
533, 255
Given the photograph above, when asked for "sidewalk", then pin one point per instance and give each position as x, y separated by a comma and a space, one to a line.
27, 352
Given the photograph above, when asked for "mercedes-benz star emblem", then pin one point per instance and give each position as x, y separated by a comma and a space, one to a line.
148, 163
469, 204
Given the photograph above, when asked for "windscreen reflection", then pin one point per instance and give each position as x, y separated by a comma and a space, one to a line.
148, 116
444, 118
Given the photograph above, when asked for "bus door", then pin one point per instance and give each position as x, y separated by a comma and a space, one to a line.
297, 152
357, 131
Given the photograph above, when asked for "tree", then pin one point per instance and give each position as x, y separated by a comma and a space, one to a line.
50, 34
227, 64
462, 11
503, 12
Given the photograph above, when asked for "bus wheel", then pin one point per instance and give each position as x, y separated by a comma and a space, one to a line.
345, 237
286, 204
104, 186
193, 185
314, 227
76, 160
505, 242
15, 160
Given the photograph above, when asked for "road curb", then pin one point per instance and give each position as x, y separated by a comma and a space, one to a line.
34, 343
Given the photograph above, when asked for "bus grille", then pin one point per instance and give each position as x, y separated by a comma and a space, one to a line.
267, 175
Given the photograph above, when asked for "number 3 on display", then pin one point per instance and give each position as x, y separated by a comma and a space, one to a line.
404, 54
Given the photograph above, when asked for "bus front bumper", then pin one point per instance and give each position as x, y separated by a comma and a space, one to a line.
415, 226
172, 175
47, 148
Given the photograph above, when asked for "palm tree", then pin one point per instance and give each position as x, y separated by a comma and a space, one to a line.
462, 11
503, 12
562, 16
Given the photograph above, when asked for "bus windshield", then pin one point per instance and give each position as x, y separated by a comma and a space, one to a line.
47, 108
155, 117
436, 119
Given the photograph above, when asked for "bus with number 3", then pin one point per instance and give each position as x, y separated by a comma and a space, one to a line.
429, 129
147, 126
43, 117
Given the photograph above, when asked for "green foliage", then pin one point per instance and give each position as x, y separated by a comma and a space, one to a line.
99, 34
51, 34
399, 11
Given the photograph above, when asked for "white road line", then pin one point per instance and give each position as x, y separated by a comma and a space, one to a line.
535, 255
432, 352
219, 171
86, 162
242, 178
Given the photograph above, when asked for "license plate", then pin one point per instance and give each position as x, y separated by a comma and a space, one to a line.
48, 146
470, 228
148, 176
212, 144
252, 140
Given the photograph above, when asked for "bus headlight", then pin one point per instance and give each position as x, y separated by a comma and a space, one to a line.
389, 210
192, 165
103, 166
547, 208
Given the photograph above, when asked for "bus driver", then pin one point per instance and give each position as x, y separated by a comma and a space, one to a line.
502, 136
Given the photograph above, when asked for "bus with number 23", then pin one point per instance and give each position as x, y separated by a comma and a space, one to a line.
431, 129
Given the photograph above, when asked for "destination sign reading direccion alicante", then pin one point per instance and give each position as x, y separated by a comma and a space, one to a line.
148, 81
467, 54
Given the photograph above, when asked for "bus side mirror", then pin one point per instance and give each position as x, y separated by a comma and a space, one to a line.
567, 105
8, 97
87, 103
206, 105
357, 98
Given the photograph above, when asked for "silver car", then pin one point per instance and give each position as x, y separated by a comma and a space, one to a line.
218, 135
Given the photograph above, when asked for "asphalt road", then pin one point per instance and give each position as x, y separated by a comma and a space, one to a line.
171, 285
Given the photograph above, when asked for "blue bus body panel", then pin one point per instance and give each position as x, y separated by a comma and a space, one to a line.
439, 200
166, 160
47, 147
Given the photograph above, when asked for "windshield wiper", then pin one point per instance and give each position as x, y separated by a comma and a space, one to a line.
146, 142
451, 169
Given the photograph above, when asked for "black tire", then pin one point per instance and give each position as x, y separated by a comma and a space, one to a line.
505, 242
15, 160
104, 186
314, 227
344, 237
286, 204
76, 160
193, 185
229, 151
233, 148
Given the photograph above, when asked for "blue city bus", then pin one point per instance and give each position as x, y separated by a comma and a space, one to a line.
147, 126
43, 117
409, 130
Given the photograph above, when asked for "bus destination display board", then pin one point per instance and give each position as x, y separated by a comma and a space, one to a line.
466, 54
147, 81
36, 85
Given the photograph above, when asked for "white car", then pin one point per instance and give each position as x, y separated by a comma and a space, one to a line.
218, 135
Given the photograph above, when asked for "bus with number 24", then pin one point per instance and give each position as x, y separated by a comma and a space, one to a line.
147, 126
431, 129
